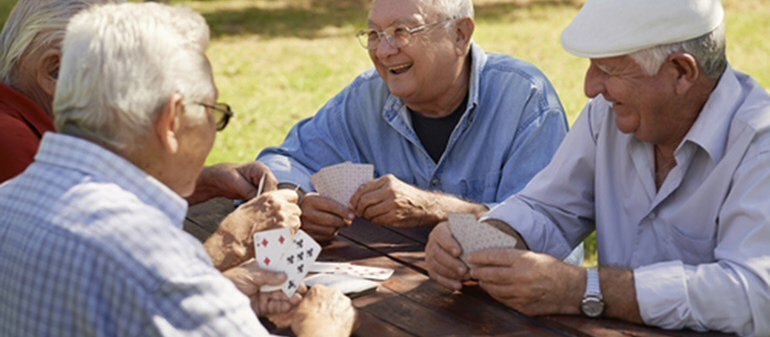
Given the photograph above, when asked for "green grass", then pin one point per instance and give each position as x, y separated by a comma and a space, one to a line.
278, 61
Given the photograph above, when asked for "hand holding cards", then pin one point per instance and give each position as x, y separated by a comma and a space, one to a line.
473, 235
339, 182
276, 250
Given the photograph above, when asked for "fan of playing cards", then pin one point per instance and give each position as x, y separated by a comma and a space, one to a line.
277, 250
473, 235
339, 182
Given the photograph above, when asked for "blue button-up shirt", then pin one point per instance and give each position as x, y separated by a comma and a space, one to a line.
700, 245
511, 127
90, 245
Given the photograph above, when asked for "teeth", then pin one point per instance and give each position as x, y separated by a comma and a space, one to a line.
400, 67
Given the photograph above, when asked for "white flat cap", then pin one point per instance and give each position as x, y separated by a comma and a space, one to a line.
606, 28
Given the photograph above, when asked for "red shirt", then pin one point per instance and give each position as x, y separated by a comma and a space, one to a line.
22, 124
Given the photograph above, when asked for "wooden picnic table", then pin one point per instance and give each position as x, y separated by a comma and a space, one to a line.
411, 304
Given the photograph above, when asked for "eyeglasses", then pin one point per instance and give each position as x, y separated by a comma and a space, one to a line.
397, 36
222, 113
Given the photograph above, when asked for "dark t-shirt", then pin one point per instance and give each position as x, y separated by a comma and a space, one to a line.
434, 132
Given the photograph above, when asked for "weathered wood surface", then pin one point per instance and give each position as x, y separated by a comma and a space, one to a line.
411, 304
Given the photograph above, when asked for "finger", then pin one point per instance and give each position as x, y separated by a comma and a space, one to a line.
442, 236
262, 277
446, 282
320, 233
501, 292
322, 204
495, 257
365, 188
494, 274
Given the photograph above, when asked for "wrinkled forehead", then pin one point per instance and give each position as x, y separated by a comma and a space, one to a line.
385, 13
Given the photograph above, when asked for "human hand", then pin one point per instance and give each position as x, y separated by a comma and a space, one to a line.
322, 218
232, 181
442, 255
529, 282
324, 312
248, 278
233, 242
390, 201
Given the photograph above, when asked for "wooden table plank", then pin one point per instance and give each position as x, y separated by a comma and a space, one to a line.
411, 304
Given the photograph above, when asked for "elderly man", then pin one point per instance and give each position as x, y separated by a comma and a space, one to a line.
91, 238
668, 163
447, 126
30, 53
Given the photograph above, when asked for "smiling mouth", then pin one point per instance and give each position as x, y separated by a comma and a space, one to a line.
400, 69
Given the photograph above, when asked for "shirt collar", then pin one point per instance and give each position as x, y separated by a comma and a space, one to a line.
712, 126
27, 109
105, 166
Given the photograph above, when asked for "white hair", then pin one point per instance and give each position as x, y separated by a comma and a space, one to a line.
708, 50
35, 25
122, 63
454, 8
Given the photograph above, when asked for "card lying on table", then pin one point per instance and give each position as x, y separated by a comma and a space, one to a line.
277, 250
339, 182
473, 235
373, 273
349, 285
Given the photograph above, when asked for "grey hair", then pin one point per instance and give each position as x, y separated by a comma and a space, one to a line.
120, 66
35, 25
708, 50
455, 8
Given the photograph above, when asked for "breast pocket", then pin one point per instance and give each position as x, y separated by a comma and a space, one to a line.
693, 243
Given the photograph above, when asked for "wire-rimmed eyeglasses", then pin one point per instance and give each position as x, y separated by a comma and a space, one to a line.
222, 113
397, 36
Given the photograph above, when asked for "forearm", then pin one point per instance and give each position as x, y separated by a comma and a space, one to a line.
224, 250
619, 294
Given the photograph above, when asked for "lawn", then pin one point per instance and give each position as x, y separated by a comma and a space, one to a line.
278, 61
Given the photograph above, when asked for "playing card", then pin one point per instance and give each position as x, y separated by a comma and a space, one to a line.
339, 182
269, 247
296, 262
349, 285
473, 235
374, 273
327, 267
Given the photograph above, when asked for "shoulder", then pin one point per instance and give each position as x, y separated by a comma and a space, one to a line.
510, 68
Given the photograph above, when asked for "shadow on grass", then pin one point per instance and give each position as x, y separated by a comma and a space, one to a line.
314, 19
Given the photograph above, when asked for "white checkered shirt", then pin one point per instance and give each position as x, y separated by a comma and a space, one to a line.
90, 245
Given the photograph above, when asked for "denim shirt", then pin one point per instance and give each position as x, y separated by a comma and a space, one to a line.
511, 127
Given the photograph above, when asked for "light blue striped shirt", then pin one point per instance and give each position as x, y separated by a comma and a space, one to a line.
90, 245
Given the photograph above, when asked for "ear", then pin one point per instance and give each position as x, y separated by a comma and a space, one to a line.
686, 70
167, 124
464, 28
48, 70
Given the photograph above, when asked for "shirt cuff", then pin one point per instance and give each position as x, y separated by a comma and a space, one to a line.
661, 291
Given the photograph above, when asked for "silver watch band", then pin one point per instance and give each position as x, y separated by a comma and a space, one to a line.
592, 283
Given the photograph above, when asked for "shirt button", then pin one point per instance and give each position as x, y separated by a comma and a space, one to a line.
652, 216
435, 182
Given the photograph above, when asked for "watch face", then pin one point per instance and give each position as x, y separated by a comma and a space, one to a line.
592, 307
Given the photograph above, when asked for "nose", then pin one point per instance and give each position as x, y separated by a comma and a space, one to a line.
594, 82
385, 49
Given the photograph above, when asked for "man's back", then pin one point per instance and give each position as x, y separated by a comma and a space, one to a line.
90, 245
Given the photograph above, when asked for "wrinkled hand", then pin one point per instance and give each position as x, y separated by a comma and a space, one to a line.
233, 242
442, 257
390, 201
248, 278
232, 181
531, 283
324, 312
322, 218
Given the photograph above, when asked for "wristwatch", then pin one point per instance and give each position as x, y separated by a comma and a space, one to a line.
592, 304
